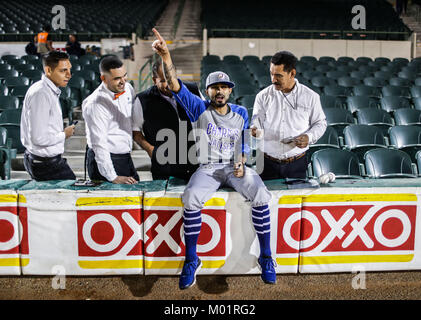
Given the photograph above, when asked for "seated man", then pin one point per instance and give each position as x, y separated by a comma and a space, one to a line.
221, 127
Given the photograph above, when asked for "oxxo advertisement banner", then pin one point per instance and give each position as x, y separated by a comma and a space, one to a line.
141, 232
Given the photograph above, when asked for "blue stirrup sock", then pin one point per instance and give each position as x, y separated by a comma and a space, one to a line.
192, 221
261, 221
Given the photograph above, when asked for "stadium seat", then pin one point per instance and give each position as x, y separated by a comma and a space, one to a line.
33, 75
407, 117
375, 82
392, 103
383, 75
365, 60
396, 81
10, 119
329, 139
12, 82
348, 82
247, 101
360, 138
23, 67
388, 163
335, 74
407, 75
382, 60
343, 163
6, 154
365, 90
406, 138
332, 101
20, 92
415, 91
375, 117
397, 91
326, 59
418, 162
336, 90
7, 74
310, 74
322, 81
338, 119
4, 91
323, 68
360, 75
355, 103
8, 102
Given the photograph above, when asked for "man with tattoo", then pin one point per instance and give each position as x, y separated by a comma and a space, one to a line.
220, 127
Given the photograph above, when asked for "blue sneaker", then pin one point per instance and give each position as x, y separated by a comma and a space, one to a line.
188, 274
267, 266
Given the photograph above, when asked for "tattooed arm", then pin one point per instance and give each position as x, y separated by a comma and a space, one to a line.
161, 48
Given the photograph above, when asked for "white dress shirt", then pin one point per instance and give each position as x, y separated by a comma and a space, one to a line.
108, 126
283, 116
42, 120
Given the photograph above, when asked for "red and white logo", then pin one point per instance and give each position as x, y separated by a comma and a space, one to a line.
164, 233
104, 233
346, 228
13, 231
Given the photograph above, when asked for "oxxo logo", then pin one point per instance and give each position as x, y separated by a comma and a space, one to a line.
346, 228
13, 231
164, 233
104, 233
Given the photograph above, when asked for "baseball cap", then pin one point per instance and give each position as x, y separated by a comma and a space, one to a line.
218, 77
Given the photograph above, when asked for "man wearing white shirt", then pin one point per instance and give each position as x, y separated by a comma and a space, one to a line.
107, 113
42, 132
289, 117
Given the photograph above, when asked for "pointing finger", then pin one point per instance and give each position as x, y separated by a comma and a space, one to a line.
157, 34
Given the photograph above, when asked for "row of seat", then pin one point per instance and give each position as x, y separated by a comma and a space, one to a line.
20, 21
378, 163
302, 19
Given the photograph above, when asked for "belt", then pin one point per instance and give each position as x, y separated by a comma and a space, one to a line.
287, 160
44, 159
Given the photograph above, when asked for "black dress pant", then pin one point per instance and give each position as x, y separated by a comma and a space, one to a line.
276, 170
44, 169
123, 166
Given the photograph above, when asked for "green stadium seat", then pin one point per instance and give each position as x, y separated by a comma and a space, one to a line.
326, 59
322, 81
375, 117
348, 82
338, 118
343, 163
392, 103
6, 154
415, 91
398, 91
359, 138
356, 103
23, 67
8, 102
375, 82
19, 92
12, 82
388, 163
32, 75
407, 117
406, 138
336, 90
396, 81
4, 91
329, 139
365, 90
332, 101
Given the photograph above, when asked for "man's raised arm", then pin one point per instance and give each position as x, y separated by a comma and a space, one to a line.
161, 48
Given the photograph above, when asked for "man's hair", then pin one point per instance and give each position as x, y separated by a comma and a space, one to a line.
286, 58
52, 58
110, 62
47, 28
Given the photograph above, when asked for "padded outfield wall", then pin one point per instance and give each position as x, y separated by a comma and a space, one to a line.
372, 225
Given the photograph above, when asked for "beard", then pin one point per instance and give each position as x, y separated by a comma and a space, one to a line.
219, 104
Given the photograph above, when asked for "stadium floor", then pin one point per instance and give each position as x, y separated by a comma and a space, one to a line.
338, 286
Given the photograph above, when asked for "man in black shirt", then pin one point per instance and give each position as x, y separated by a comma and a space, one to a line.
162, 128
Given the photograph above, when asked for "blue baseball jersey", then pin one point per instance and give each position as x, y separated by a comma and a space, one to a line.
219, 138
